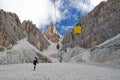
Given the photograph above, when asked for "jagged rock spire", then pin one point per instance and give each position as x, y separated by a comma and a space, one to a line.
52, 34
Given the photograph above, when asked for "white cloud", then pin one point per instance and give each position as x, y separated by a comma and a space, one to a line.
65, 28
96, 2
41, 12
93, 3
85, 5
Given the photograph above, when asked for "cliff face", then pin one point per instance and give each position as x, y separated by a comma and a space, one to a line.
52, 34
99, 25
35, 37
10, 29
107, 52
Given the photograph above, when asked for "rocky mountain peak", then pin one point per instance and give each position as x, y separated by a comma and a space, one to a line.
10, 29
28, 26
52, 29
100, 24
35, 37
52, 34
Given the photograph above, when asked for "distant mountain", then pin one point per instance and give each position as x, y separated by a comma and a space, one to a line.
99, 25
52, 34
12, 30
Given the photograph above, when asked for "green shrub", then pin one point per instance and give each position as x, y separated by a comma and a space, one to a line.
1, 48
43, 59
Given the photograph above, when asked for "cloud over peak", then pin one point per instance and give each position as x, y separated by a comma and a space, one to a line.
44, 12
41, 12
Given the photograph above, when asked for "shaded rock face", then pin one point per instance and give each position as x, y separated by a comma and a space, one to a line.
69, 39
99, 25
35, 37
107, 52
52, 34
10, 29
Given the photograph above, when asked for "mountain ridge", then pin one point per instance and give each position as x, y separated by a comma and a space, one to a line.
12, 30
100, 24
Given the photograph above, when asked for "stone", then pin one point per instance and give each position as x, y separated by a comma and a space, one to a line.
102, 23
52, 34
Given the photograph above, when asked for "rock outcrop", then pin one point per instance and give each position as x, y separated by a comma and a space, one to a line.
10, 29
100, 24
35, 37
107, 52
22, 52
52, 34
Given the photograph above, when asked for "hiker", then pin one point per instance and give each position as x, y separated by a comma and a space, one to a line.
35, 61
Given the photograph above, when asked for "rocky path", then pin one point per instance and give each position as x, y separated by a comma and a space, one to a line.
58, 71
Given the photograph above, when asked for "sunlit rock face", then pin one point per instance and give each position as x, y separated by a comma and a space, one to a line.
35, 37
52, 34
100, 24
10, 29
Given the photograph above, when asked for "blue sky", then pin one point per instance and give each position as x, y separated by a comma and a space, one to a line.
69, 21
42, 12
72, 16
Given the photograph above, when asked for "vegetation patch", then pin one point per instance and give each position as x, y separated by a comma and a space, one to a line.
1, 49
43, 59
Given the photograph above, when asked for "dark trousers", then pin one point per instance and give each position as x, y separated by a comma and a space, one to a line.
34, 67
